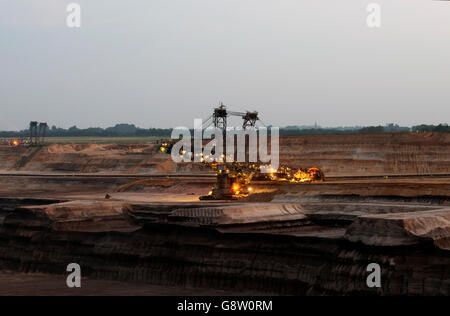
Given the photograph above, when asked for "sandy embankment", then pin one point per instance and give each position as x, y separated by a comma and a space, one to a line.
337, 155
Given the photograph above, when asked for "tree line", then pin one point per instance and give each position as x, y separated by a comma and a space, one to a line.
130, 130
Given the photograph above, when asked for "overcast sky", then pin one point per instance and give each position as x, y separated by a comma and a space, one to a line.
161, 63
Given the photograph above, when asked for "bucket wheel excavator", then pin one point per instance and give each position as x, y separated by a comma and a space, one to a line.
234, 178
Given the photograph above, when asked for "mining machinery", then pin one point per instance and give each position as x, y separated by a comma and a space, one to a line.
16, 142
37, 133
219, 120
221, 113
234, 178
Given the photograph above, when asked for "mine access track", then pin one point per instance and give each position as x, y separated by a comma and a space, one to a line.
209, 176
82, 175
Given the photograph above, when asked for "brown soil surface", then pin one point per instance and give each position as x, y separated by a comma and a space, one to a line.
39, 284
337, 155
369, 154
134, 230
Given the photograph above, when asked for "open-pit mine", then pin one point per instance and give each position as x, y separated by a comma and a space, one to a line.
133, 220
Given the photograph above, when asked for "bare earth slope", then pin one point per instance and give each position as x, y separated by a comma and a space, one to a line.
375, 154
337, 155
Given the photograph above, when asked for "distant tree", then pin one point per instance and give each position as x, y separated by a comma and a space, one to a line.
130, 130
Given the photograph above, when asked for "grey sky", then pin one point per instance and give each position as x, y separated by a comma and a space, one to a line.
161, 63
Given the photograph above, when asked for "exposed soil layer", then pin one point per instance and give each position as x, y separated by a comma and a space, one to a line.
337, 155
98, 206
317, 246
369, 154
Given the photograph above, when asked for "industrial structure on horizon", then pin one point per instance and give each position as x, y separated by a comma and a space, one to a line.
234, 178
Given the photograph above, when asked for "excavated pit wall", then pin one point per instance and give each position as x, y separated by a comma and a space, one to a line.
355, 154
163, 253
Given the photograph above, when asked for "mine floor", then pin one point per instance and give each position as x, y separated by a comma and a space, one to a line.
155, 237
